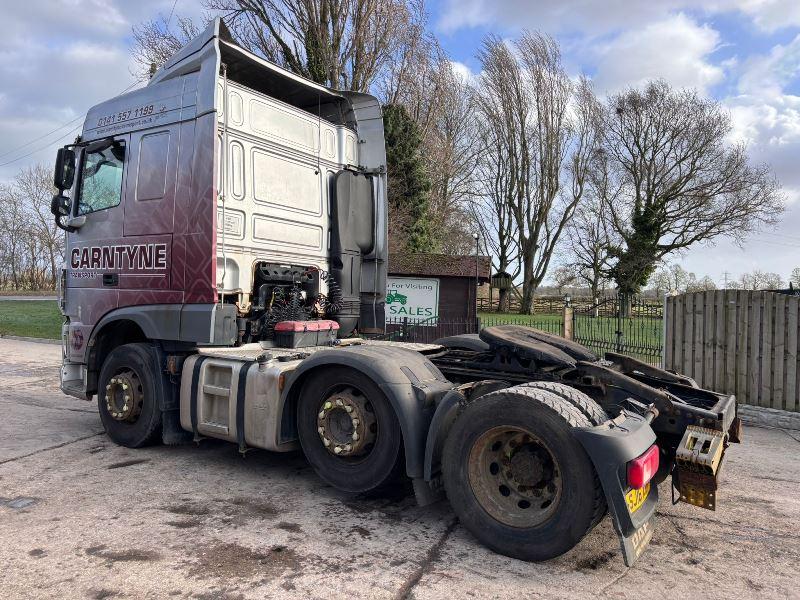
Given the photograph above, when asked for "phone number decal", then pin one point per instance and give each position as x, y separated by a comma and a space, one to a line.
125, 115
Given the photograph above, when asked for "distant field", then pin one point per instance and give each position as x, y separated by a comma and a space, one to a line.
30, 318
640, 337
551, 323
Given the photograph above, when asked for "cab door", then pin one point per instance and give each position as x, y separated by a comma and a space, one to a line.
92, 279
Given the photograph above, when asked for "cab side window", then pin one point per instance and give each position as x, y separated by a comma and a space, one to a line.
101, 179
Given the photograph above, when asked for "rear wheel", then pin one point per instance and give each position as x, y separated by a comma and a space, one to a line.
590, 409
349, 431
517, 478
127, 397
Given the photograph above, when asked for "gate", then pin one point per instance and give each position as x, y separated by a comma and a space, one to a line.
632, 327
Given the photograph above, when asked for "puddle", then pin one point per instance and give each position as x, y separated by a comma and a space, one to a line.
18, 503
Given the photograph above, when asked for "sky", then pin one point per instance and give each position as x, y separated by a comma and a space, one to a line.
59, 57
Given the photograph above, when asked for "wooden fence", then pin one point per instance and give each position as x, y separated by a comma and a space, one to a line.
737, 342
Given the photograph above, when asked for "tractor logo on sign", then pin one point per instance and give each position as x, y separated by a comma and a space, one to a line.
395, 296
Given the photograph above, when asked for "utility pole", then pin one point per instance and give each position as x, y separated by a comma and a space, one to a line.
725, 276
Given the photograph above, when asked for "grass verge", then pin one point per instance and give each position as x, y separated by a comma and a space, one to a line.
30, 318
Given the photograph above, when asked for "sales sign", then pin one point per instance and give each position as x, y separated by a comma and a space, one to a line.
414, 299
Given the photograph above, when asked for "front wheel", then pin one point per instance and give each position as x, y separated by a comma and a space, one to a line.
516, 476
127, 396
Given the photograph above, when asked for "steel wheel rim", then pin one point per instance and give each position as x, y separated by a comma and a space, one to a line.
124, 395
514, 476
346, 424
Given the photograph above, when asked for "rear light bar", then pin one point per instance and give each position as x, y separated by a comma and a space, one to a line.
641, 470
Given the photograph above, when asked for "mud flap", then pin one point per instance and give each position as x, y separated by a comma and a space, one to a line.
610, 447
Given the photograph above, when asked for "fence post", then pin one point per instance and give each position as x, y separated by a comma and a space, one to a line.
404, 335
664, 333
566, 325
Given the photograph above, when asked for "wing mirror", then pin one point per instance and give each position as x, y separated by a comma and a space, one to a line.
60, 205
65, 169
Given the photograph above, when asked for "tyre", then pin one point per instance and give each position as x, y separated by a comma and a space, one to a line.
516, 476
127, 396
590, 409
349, 431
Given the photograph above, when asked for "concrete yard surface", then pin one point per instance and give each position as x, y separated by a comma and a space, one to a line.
83, 518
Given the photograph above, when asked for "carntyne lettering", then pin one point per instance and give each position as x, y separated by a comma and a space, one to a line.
135, 257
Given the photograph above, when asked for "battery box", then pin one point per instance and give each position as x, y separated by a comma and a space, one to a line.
302, 334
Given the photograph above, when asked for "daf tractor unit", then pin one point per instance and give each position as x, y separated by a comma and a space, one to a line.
225, 277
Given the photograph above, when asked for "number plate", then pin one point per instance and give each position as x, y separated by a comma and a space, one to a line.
635, 498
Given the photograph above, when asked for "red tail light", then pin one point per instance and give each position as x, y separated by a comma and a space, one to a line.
642, 469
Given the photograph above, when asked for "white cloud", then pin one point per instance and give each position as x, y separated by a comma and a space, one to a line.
57, 59
553, 15
610, 16
767, 118
675, 49
771, 15
462, 71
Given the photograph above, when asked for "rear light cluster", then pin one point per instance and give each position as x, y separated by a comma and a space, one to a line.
641, 470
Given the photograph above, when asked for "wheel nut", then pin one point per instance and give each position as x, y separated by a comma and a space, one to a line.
321, 415
320, 430
355, 436
348, 447
337, 450
327, 406
349, 409
326, 441
355, 422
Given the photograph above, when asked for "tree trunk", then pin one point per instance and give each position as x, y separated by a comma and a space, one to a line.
625, 304
53, 275
502, 301
528, 289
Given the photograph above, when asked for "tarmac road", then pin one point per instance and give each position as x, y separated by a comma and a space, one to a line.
83, 518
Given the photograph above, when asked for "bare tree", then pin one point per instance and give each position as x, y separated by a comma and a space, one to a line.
681, 181
590, 236
12, 240
423, 80
491, 207
547, 129
154, 42
33, 189
704, 284
794, 278
564, 276
761, 280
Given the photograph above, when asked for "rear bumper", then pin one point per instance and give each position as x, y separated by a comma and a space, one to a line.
610, 447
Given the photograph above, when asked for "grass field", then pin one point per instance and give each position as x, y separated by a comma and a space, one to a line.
30, 318
550, 323
641, 337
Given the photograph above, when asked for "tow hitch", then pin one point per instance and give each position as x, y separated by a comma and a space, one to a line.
697, 465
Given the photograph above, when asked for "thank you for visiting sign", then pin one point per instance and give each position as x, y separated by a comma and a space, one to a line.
416, 299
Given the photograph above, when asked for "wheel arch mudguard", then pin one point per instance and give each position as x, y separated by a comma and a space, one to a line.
447, 410
194, 323
410, 381
610, 447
